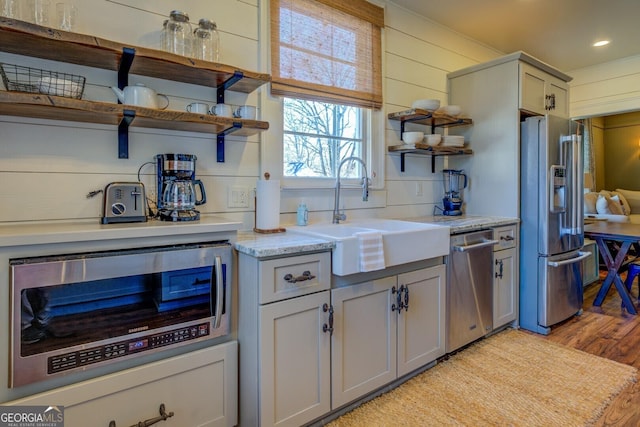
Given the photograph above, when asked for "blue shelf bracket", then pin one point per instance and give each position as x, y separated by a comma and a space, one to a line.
220, 140
237, 76
128, 53
123, 133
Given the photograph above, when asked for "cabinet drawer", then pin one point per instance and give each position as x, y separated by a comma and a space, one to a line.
506, 236
200, 388
290, 277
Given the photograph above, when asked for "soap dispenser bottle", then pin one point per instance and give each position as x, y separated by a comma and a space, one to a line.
302, 216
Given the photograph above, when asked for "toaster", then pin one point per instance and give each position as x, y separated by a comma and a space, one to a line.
124, 202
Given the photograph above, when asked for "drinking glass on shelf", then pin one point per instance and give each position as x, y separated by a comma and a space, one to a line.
67, 15
10, 8
37, 12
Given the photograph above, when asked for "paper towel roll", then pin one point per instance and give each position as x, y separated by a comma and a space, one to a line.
268, 204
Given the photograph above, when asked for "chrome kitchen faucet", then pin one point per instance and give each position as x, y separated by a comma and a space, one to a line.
337, 216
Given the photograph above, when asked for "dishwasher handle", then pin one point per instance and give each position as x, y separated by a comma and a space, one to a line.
467, 248
580, 257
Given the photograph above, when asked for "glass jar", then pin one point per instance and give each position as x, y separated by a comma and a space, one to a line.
178, 34
206, 41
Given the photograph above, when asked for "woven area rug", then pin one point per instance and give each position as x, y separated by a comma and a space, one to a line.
510, 379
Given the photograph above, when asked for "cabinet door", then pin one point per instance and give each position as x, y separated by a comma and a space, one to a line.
200, 388
532, 91
504, 287
559, 90
294, 361
421, 326
363, 349
542, 93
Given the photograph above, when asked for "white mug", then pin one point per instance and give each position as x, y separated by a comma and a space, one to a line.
246, 112
198, 108
222, 110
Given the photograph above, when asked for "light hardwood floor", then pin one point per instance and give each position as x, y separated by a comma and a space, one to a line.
607, 331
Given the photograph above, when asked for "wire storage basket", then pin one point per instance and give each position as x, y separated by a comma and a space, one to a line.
17, 78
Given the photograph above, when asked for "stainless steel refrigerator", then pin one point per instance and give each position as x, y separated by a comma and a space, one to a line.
551, 211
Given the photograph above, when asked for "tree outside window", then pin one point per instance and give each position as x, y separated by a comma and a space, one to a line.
318, 136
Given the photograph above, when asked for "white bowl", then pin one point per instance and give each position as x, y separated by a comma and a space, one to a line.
59, 87
412, 137
426, 104
433, 139
452, 110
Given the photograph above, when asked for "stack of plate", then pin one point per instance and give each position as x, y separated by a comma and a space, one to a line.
453, 141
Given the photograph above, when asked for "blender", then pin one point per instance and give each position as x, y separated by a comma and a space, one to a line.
177, 196
454, 182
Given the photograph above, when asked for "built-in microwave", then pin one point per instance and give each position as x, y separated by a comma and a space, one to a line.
76, 312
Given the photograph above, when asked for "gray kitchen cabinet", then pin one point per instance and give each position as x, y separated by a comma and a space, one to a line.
505, 273
541, 93
284, 333
363, 348
199, 388
295, 371
492, 94
382, 331
421, 325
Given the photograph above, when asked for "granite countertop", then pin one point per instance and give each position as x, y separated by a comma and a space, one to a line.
278, 244
288, 243
464, 223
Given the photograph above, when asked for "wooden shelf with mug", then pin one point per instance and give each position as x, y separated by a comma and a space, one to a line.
28, 39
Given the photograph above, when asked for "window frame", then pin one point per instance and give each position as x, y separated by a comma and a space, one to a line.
271, 148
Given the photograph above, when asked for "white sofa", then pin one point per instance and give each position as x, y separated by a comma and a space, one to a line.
617, 206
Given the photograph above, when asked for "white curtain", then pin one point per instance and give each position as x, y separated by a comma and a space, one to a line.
589, 161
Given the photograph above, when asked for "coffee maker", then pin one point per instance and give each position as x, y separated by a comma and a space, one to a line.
176, 187
453, 187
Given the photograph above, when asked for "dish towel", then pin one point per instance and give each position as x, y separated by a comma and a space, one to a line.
371, 251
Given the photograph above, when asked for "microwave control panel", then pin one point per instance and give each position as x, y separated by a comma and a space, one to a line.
84, 357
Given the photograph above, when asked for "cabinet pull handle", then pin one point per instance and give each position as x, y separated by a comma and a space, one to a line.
508, 238
399, 299
328, 328
499, 274
306, 275
163, 417
406, 298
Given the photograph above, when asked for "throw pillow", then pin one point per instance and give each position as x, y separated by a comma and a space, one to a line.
633, 199
626, 209
605, 205
590, 203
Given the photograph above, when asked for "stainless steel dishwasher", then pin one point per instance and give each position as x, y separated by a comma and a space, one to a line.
469, 288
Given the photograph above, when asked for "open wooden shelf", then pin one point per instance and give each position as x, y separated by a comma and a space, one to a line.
23, 38
429, 118
433, 119
60, 108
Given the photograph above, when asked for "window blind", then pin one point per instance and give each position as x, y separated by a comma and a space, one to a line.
327, 50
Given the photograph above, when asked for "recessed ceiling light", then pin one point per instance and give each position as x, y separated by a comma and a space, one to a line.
601, 43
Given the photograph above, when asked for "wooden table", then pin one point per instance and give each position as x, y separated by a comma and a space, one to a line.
624, 233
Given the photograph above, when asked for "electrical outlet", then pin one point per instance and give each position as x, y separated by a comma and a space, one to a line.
238, 197
419, 191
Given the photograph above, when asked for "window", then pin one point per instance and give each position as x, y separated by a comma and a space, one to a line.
318, 135
326, 64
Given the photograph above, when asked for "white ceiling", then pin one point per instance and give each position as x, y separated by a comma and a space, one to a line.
558, 32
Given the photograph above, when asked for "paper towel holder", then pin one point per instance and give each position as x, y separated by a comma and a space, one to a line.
267, 175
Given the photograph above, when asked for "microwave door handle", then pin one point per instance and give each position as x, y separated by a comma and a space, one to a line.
219, 291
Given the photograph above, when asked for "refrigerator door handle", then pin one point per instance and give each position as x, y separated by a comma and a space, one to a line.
467, 248
580, 257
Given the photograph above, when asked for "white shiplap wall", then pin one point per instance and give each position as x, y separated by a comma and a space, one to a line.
604, 89
47, 167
